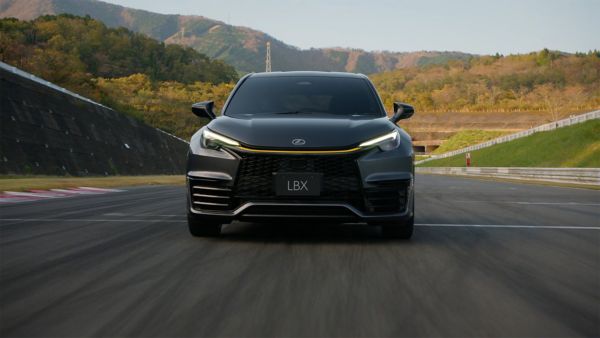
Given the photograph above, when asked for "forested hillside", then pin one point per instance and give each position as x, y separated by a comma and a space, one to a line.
548, 82
241, 47
82, 54
554, 82
71, 50
165, 104
162, 81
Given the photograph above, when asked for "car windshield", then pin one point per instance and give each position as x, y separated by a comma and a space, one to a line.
296, 95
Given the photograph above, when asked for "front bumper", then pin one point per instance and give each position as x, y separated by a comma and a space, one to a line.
368, 186
267, 211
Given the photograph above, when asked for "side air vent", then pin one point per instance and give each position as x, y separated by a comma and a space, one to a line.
387, 197
210, 194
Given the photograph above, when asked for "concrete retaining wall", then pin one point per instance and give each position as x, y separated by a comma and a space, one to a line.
47, 130
565, 175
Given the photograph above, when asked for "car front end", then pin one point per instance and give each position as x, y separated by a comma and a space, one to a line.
238, 182
298, 168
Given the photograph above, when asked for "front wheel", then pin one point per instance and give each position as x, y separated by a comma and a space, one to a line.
201, 228
401, 231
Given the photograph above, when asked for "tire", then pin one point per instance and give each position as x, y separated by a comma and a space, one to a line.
400, 231
200, 228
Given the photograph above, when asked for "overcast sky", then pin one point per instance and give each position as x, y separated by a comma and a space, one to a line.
474, 26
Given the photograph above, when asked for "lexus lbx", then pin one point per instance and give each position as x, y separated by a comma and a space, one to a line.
301, 146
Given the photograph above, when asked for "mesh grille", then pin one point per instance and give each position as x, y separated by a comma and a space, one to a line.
341, 180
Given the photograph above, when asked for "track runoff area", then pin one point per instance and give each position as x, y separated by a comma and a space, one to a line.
487, 259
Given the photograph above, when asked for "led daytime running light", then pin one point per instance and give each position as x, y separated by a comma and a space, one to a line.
388, 136
214, 136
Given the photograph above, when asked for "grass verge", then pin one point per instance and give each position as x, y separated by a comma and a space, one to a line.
467, 138
25, 183
576, 146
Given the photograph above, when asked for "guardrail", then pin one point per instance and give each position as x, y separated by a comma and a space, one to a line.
544, 127
589, 176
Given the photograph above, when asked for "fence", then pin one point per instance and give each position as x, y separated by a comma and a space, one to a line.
589, 176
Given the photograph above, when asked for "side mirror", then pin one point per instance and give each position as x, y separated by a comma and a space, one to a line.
204, 110
402, 111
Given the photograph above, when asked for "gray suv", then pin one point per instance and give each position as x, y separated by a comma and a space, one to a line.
301, 146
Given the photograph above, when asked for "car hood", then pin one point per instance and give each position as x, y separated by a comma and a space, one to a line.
318, 133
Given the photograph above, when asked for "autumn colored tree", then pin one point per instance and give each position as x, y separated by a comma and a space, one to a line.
541, 81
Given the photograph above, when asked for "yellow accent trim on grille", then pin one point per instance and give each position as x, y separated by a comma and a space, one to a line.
272, 151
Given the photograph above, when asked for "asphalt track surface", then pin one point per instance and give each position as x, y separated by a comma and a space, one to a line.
487, 259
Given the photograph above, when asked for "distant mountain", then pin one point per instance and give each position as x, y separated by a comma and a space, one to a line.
67, 49
242, 47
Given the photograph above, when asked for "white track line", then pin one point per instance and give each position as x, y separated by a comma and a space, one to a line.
77, 192
86, 220
30, 194
101, 189
500, 226
11, 197
138, 215
533, 203
14, 199
53, 193
509, 226
556, 203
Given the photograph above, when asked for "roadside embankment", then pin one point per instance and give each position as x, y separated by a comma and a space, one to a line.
47, 130
575, 146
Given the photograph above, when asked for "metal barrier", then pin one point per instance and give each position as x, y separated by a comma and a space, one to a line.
544, 127
589, 176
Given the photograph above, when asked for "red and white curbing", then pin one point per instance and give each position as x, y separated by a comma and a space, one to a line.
34, 195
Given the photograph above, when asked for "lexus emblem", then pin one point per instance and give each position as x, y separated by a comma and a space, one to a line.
298, 142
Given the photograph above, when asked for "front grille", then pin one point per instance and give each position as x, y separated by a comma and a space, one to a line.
208, 194
341, 179
387, 197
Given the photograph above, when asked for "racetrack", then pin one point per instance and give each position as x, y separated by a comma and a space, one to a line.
487, 259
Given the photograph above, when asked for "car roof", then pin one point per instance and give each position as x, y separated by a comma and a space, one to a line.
309, 73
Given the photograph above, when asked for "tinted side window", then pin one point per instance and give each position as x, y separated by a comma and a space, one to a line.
312, 94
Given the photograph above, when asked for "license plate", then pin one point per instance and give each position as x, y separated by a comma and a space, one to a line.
298, 184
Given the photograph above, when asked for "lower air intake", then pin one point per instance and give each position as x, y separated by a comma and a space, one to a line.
208, 194
298, 211
389, 196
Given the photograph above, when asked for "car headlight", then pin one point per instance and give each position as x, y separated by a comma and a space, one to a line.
212, 140
387, 142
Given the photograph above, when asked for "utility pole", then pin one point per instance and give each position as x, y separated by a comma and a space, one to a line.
268, 59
